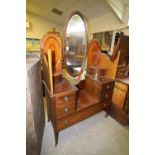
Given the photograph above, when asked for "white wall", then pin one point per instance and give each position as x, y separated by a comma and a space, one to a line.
39, 26
107, 22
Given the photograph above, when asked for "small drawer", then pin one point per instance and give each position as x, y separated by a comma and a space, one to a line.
64, 100
105, 104
64, 123
108, 86
65, 111
106, 96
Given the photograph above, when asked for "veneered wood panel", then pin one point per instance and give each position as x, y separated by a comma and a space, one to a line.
118, 97
119, 114
93, 88
52, 42
78, 116
101, 60
121, 86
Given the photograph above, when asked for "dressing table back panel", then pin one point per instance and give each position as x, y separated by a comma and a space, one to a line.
93, 88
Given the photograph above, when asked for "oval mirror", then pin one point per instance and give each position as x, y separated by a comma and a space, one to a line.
75, 44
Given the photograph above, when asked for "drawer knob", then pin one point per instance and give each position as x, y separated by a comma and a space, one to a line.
106, 95
105, 104
65, 122
66, 98
108, 86
66, 110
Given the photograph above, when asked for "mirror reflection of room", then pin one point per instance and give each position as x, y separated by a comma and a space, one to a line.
75, 44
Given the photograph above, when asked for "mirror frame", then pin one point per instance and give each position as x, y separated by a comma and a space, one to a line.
64, 42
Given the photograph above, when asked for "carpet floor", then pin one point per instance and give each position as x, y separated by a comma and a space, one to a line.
96, 135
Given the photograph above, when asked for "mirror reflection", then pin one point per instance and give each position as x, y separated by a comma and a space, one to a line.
75, 45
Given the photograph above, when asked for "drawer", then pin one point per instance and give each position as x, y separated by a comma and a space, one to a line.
64, 123
106, 96
65, 111
108, 86
65, 100
121, 86
106, 103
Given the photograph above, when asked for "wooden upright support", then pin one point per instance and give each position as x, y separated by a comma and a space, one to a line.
50, 70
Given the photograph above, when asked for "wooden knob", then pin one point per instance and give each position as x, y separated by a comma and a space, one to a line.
65, 122
66, 110
105, 104
106, 95
108, 86
66, 98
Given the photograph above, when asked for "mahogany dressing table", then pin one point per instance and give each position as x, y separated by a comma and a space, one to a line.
68, 104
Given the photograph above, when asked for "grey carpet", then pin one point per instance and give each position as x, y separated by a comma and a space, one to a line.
96, 135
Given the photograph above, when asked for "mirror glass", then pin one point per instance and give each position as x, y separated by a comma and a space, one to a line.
75, 45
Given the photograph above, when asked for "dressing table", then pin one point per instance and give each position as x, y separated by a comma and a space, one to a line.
68, 104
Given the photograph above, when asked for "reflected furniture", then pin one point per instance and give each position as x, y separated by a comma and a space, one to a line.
68, 104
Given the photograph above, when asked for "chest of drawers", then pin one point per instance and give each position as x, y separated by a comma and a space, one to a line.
120, 101
70, 104
65, 105
106, 90
61, 104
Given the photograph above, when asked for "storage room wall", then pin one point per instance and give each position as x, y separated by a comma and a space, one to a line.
107, 22
39, 26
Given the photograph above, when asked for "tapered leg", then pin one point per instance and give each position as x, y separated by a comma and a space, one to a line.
107, 111
56, 133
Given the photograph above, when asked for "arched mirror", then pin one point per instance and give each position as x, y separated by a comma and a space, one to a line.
75, 44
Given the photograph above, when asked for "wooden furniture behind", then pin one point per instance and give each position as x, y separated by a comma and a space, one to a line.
69, 104
35, 118
122, 46
120, 101
100, 64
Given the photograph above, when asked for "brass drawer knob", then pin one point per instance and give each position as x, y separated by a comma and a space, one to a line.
65, 122
66, 98
105, 104
66, 110
106, 95
108, 86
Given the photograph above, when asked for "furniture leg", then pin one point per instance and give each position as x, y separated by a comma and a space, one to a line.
56, 133
107, 111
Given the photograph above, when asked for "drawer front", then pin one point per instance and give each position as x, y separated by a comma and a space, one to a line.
106, 96
107, 91
65, 111
106, 103
108, 86
64, 123
64, 100
121, 86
